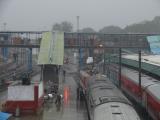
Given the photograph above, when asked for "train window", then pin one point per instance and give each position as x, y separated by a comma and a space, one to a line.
117, 113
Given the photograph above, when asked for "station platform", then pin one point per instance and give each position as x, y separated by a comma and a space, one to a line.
71, 108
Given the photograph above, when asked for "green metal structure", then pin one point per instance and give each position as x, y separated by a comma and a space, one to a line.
51, 49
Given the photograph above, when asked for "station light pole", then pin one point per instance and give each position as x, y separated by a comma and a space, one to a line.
120, 66
77, 24
140, 59
4, 25
80, 49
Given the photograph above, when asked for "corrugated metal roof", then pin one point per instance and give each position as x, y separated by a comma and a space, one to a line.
104, 91
150, 63
52, 48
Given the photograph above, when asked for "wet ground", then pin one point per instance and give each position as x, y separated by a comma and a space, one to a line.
70, 109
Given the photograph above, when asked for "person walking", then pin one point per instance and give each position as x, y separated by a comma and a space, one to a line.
64, 75
77, 93
58, 101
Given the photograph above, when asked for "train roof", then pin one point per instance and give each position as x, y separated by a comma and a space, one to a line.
150, 59
98, 79
103, 91
145, 79
115, 111
149, 83
150, 63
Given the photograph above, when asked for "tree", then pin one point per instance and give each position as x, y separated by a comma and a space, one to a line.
56, 27
63, 26
66, 26
111, 30
145, 26
157, 20
88, 30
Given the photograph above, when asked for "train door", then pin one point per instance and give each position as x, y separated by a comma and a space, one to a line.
144, 100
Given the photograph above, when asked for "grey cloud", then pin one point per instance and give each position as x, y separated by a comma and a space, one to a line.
42, 14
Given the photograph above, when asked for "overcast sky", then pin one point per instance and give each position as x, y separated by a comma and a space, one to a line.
42, 14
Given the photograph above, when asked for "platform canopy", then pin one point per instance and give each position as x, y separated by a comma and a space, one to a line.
51, 48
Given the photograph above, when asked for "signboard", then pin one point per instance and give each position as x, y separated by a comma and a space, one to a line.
154, 42
89, 60
20, 93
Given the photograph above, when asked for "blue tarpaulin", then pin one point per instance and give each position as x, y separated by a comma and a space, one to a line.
4, 116
154, 42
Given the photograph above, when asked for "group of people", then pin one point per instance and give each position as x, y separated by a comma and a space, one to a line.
52, 94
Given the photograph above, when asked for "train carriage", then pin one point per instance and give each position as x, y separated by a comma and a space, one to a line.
152, 100
148, 95
105, 101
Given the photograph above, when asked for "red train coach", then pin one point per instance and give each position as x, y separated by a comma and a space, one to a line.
148, 95
84, 77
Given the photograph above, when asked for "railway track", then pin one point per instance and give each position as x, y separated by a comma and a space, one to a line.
14, 72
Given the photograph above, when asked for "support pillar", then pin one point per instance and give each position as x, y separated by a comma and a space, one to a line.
120, 66
80, 58
140, 72
104, 57
5, 54
30, 60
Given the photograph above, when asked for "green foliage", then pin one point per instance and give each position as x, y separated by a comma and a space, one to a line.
63, 26
111, 30
56, 27
152, 26
145, 27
